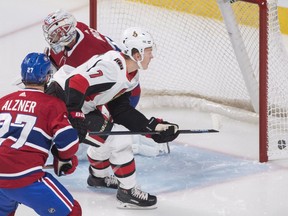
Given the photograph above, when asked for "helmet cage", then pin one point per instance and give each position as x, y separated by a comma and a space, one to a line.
59, 30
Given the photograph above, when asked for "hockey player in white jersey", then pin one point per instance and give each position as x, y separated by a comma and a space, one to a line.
73, 43
108, 80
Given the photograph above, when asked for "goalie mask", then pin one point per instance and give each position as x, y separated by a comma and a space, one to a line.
136, 38
59, 30
35, 68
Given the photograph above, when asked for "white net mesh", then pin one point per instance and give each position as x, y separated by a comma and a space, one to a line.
196, 65
277, 87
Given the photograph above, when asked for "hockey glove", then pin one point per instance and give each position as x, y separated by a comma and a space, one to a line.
168, 131
77, 120
64, 167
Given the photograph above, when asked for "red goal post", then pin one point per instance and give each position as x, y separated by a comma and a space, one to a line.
230, 59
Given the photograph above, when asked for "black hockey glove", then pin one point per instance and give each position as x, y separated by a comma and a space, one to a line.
168, 131
77, 120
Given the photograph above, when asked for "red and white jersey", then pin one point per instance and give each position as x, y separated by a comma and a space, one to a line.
97, 81
89, 43
30, 122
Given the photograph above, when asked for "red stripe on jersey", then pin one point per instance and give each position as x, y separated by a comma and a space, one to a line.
57, 191
124, 170
79, 83
98, 138
136, 91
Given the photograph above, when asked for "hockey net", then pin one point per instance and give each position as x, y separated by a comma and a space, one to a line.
208, 59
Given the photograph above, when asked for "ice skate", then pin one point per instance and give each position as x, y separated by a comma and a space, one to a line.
108, 181
135, 199
164, 148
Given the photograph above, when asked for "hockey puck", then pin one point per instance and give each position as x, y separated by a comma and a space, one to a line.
281, 144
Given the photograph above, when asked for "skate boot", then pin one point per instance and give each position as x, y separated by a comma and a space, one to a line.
134, 198
108, 181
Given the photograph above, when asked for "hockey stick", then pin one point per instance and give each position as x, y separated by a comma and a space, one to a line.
48, 166
106, 133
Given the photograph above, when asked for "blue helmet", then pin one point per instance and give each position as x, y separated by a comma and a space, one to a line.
35, 68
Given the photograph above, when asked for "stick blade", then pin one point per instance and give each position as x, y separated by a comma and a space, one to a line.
198, 131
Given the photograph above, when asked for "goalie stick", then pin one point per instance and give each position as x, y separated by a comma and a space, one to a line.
106, 133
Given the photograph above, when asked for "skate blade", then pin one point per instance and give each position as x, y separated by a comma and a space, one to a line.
122, 205
168, 148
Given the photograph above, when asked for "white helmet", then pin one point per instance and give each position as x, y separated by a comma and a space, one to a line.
136, 38
59, 29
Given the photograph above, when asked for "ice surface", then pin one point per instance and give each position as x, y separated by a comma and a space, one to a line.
205, 174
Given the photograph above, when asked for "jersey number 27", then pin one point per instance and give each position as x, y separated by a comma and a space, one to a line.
26, 122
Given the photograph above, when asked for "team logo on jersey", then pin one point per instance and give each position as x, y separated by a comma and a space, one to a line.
23, 94
51, 210
135, 34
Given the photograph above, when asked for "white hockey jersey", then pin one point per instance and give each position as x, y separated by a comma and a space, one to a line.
96, 82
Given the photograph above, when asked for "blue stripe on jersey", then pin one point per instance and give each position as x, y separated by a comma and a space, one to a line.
134, 100
35, 137
38, 139
66, 137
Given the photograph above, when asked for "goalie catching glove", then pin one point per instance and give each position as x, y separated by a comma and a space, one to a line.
63, 166
168, 131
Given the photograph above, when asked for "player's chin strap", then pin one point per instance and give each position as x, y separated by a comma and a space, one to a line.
138, 62
139, 65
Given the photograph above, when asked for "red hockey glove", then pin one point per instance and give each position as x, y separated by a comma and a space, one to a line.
168, 131
77, 120
64, 167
